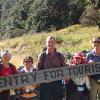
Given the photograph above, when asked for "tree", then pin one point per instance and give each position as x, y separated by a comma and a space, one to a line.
41, 15
91, 16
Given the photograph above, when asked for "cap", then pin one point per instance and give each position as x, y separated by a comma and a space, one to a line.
78, 55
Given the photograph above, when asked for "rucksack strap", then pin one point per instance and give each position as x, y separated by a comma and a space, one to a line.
42, 58
12, 68
59, 55
0, 68
10, 65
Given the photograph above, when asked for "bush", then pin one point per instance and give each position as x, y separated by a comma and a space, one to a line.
59, 39
91, 16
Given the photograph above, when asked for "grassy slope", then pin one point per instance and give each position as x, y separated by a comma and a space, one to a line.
70, 39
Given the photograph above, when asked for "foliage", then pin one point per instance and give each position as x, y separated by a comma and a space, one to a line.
91, 16
38, 15
18, 17
67, 42
59, 39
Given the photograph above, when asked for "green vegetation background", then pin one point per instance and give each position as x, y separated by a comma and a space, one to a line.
71, 39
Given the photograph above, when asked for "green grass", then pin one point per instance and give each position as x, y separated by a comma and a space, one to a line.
71, 39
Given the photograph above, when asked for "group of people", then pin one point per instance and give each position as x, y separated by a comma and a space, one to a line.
75, 88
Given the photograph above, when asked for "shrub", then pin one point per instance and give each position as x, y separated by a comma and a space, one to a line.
59, 39
91, 16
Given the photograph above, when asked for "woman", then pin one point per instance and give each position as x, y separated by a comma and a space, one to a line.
6, 69
28, 92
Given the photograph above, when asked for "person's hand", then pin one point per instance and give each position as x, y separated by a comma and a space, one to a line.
91, 61
98, 81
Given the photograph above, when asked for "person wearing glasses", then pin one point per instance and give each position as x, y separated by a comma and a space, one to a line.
94, 56
28, 92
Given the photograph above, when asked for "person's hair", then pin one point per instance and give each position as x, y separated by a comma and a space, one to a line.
51, 37
4, 52
28, 58
97, 38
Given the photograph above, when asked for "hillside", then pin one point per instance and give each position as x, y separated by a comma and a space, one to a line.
18, 17
70, 39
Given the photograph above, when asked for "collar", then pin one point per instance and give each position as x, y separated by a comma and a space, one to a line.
31, 69
53, 53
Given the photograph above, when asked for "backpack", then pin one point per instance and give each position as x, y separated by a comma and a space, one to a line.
71, 88
90, 56
43, 56
10, 65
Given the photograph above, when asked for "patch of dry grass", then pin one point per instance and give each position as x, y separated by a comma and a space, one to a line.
70, 39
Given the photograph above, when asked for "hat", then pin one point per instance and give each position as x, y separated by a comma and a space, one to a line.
96, 40
4, 52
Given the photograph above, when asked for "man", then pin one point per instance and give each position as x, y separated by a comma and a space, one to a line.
50, 58
94, 56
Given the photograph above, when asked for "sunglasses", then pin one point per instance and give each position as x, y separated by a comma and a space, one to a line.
77, 57
27, 61
96, 42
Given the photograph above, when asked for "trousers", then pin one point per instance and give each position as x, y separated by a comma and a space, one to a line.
95, 90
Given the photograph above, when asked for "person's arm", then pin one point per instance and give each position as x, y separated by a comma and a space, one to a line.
14, 69
63, 63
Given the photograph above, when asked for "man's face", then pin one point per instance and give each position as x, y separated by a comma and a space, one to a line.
51, 43
96, 44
